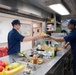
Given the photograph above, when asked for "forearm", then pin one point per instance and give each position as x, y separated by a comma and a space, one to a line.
28, 38
67, 44
32, 38
57, 39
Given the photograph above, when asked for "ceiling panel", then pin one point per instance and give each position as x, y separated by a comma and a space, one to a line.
71, 4
41, 4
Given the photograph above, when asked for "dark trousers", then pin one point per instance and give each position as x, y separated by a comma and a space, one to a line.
74, 66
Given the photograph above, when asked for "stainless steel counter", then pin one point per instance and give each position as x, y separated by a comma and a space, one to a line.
43, 68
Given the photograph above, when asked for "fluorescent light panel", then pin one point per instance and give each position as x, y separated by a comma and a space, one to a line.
59, 8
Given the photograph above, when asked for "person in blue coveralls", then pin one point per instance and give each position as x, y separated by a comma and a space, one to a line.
70, 39
14, 38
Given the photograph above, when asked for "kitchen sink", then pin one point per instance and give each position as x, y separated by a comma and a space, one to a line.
34, 67
27, 61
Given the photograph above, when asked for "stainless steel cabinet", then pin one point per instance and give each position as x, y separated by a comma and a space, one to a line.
58, 69
62, 66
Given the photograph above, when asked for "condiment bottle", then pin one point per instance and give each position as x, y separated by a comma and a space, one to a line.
39, 46
35, 60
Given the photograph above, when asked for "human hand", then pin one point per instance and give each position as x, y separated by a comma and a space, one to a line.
37, 36
46, 36
65, 46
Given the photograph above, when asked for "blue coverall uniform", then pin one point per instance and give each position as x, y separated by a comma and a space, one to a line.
71, 37
14, 39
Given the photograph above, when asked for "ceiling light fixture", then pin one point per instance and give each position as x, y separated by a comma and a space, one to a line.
60, 9
59, 6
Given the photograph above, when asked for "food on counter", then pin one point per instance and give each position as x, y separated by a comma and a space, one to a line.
36, 60
54, 48
44, 47
25, 60
22, 53
1, 73
6, 63
59, 48
13, 71
43, 34
1, 68
15, 65
10, 69
40, 61
2, 65
12, 66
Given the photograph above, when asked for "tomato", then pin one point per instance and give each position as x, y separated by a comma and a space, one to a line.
6, 63
1, 68
2, 64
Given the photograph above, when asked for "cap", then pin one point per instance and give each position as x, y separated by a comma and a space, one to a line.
72, 21
15, 22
